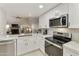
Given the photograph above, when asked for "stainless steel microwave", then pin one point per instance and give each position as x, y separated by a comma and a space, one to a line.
61, 21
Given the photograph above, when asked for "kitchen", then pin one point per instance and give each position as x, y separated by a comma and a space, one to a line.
50, 28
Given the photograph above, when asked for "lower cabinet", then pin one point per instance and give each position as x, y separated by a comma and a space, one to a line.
25, 44
69, 52
41, 43
29, 43
22, 45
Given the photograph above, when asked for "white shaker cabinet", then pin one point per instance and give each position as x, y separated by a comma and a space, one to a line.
22, 45
71, 49
74, 15
43, 22
35, 41
41, 43
26, 44
69, 52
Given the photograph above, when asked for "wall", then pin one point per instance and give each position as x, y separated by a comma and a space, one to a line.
74, 31
12, 19
2, 22
75, 34
23, 22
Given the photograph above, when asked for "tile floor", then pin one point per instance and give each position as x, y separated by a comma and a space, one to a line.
35, 53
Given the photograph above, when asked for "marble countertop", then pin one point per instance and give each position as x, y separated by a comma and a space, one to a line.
2, 38
12, 37
47, 35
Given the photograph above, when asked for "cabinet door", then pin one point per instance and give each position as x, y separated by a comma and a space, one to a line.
20, 45
42, 43
43, 21
31, 45
69, 52
74, 15
35, 41
26, 44
42, 47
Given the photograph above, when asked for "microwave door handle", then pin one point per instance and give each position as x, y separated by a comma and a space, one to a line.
67, 21
61, 22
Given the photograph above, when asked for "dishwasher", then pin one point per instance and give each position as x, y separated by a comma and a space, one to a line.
8, 48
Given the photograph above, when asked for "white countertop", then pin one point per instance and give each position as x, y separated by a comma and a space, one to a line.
73, 46
12, 37
47, 35
2, 38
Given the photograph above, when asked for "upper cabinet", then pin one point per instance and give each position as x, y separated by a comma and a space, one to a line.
43, 22
74, 15
53, 13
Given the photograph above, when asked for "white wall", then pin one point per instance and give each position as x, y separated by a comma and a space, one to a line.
2, 22
24, 21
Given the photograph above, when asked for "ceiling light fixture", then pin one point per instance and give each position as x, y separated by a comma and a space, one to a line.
41, 6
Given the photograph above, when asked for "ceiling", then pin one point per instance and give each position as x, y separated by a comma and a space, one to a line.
26, 9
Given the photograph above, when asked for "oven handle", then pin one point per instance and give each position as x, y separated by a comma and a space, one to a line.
54, 44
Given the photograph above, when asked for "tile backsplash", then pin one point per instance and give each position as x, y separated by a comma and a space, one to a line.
74, 31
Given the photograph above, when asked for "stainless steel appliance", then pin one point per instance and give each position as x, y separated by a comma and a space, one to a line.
15, 29
61, 21
54, 45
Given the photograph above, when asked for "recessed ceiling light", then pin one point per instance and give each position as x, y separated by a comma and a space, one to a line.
41, 6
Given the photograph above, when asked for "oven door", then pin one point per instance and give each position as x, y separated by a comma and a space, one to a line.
52, 50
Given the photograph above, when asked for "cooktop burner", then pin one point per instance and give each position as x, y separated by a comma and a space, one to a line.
60, 38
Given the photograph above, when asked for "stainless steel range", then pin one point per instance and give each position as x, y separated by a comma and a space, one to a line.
54, 45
